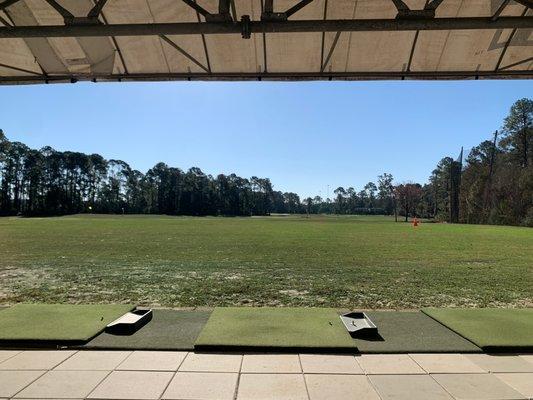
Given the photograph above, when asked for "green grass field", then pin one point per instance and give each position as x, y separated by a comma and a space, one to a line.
346, 262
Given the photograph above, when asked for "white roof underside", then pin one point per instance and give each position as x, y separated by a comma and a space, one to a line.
286, 55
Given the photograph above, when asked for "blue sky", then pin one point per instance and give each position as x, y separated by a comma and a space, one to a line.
303, 136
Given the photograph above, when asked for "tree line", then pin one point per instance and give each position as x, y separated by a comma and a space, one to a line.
50, 182
494, 185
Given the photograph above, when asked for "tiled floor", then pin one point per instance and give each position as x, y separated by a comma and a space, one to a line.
153, 375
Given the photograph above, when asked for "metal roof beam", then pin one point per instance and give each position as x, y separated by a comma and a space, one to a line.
412, 52
526, 3
224, 6
401, 6
198, 8
331, 50
271, 75
5, 22
268, 7
516, 63
323, 42
66, 14
500, 9
223, 11
405, 12
26, 71
506, 46
7, 3
433, 5
234, 10
269, 14
297, 7
97, 9
207, 28
185, 53
415, 41
204, 43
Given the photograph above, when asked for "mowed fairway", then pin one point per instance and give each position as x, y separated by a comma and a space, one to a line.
346, 262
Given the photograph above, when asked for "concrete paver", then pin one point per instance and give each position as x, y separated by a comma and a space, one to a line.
501, 362
272, 387
153, 361
211, 362
389, 364
476, 387
330, 364
334, 387
36, 360
169, 375
94, 360
527, 357
12, 382
202, 386
6, 354
135, 385
521, 382
271, 363
446, 363
408, 387
63, 385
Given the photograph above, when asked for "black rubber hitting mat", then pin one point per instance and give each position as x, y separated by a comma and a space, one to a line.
412, 332
168, 330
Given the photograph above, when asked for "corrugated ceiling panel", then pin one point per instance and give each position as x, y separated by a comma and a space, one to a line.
99, 53
231, 53
298, 52
4, 71
386, 51
141, 54
68, 50
69, 54
15, 52
462, 50
470, 51
520, 48
365, 9
286, 53
475, 8
41, 48
170, 11
338, 60
371, 51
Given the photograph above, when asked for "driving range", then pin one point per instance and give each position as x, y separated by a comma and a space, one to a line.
321, 261
145, 307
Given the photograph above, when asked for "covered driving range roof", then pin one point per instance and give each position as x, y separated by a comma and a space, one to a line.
44, 41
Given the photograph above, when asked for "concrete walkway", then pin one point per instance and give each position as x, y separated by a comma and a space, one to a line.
181, 375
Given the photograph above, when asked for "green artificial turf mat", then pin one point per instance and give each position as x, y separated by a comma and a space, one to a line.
489, 328
267, 328
168, 330
411, 332
56, 322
